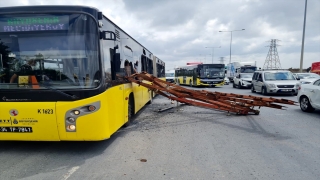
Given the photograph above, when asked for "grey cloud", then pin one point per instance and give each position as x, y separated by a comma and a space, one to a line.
285, 18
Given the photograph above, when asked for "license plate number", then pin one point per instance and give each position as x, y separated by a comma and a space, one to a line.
16, 129
286, 90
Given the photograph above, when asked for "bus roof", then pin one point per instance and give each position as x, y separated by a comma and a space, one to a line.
196, 65
46, 8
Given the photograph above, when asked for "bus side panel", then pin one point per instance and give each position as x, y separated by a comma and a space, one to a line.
189, 79
179, 79
198, 83
138, 96
22, 116
98, 125
115, 110
146, 94
141, 96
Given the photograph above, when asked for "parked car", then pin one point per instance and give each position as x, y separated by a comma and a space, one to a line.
306, 78
242, 80
306, 75
226, 81
309, 96
274, 82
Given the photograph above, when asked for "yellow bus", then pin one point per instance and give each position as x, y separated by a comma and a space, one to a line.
200, 75
61, 74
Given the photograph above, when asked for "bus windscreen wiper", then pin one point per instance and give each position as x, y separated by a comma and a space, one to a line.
58, 91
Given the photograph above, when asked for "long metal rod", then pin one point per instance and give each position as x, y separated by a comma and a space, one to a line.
236, 103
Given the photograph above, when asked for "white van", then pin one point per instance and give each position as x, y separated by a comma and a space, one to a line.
170, 76
274, 82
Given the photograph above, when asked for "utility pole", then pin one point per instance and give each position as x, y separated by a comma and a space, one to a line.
231, 40
213, 51
304, 27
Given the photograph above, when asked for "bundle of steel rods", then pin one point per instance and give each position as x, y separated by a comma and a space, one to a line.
236, 103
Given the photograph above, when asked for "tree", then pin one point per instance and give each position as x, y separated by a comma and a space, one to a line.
6, 62
4, 51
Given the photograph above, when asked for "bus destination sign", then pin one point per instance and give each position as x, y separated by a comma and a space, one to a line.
34, 23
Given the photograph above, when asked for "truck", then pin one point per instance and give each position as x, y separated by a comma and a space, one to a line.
235, 68
315, 67
170, 75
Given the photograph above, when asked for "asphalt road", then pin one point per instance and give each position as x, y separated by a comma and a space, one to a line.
184, 142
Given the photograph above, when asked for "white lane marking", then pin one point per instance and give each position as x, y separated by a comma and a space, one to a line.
70, 172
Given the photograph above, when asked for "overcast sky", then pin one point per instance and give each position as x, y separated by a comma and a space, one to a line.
177, 31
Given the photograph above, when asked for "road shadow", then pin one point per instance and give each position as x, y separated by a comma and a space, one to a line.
315, 114
216, 117
37, 157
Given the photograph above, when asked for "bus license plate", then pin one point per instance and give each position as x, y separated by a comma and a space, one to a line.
16, 129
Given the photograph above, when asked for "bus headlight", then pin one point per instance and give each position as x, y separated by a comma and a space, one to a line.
76, 112
71, 127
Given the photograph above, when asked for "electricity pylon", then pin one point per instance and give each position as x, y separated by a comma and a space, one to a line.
272, 60
221, 60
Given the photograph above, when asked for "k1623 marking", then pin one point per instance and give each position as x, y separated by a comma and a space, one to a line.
45, 111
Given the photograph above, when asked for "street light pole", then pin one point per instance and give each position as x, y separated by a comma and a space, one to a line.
231, 40
213, 51
302, 47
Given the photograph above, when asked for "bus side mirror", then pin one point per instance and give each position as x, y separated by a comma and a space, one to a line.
108, 35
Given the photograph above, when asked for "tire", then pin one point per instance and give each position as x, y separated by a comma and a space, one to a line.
264, 91
252, 89
130, 111
233, 85
305, 105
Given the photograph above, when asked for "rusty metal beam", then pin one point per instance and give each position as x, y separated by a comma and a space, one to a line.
236, 103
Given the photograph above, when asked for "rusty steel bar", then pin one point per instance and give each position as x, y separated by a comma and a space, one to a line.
236, 103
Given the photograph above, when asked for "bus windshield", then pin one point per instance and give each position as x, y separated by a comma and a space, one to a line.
248, 69
211, 71
58, 50
169, 74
